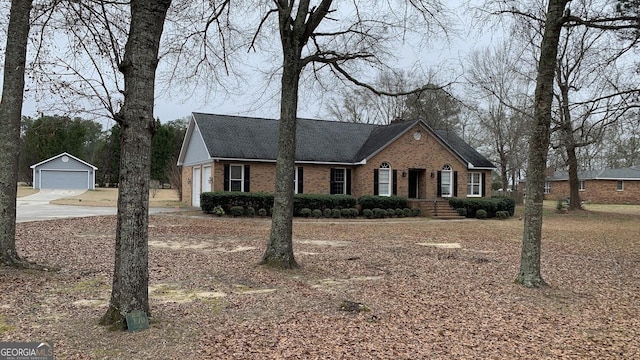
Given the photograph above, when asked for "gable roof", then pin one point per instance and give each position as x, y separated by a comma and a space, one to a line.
318, 141
630, 173
61, 155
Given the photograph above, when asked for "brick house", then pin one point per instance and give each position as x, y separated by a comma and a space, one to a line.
405, 158
607, 186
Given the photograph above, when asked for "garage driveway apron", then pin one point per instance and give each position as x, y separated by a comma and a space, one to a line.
36, 207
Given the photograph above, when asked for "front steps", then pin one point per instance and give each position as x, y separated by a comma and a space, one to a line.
436, 208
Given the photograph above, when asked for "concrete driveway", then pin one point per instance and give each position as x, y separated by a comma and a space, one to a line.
36, 207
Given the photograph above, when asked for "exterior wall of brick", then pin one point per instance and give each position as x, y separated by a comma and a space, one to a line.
425, 153
599, 191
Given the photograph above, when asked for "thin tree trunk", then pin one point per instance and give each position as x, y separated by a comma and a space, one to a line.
279, 252
529, 274
131, 272
10, 116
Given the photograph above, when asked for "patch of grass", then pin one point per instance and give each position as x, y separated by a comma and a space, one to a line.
5, 327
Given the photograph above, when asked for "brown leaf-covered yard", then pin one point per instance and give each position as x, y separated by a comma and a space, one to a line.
414, 300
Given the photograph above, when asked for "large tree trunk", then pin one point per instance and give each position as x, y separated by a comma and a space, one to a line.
10, 115
529, 274
279, 252
131, 274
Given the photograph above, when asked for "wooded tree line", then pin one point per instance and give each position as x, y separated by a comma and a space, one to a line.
48, 136
554, 89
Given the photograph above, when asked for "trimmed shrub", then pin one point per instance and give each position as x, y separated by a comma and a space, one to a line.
262, 212
501, 215
305, 212
391, 212
378, 213
407, 212
218, 210
237, 210
251, 211
318, 201
326, 213
346, 213
462, 211
354, 212
481, 214
336, 213
316, 213
416, 211
383, 202
490, 205
228, 199
368, 213
399, 213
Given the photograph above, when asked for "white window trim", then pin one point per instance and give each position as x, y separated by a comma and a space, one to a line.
385, 167
344, 181
446, 169
231, 179
581, 185
547, 188
469, 176
295, 180
620, 188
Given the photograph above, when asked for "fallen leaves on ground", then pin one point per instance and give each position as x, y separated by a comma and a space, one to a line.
431, 289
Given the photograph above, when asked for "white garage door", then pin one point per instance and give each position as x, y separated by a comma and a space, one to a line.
56, 179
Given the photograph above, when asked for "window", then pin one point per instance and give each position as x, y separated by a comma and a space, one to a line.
445, 181
338, 179
581, 185
547, 187
236, 176
474, 184
620, 185
384, 179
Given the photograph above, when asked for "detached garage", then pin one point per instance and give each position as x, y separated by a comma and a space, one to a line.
64, 171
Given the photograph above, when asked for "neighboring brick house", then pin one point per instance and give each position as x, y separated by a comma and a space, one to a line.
608, 186
405, 158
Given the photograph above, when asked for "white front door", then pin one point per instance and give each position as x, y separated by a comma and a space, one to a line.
206, 179
195, 187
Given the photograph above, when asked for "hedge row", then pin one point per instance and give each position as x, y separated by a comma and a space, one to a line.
226, 200
492, 206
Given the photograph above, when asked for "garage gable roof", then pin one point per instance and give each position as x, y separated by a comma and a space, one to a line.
61, 155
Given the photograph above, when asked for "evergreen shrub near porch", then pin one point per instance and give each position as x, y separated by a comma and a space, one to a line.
258, 200
382, 202
491, 205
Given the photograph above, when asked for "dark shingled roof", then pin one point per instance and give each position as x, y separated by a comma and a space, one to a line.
239, 137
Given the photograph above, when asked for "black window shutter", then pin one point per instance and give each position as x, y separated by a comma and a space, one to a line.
247, 180
455, 184
300, 179
348, 182
439, 183
332, 176
482, 185
226, 177
395, 182
375, 182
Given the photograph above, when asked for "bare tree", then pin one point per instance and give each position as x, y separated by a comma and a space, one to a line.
309, 41
10, 115
131, 273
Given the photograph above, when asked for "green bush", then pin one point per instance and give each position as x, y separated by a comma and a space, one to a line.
368, 213
407, 212
416, 211
318, 201
501, 215
218, 210
305, 212
326, 213
399, 213
251, 211
378, 213
391, 212
481, 214
354, 212
316, 213
490, 205
382, 202
346, 212
462, 211
237, 210
228, 199
262, 212
336, 213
